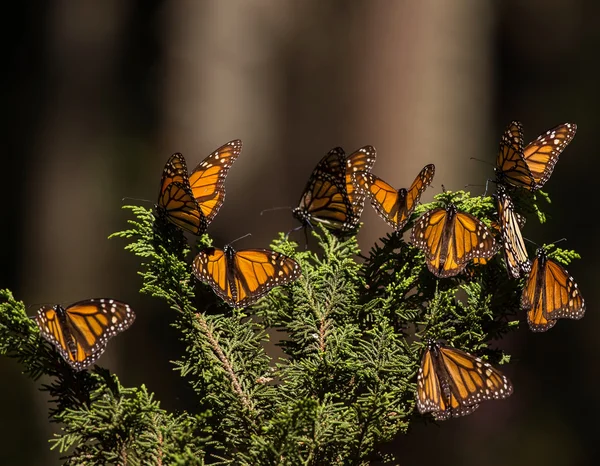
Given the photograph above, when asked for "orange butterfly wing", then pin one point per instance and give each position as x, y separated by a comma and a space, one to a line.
510, 165
542, 154
360, 161
515, 252
175, 171
176, 201
531, 167
210, 266
240, 278
207, 181
257, 271
452, 383
394, 206
550, 293
325, 199
81, 331
450, 239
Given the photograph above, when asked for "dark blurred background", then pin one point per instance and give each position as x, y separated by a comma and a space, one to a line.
97, 95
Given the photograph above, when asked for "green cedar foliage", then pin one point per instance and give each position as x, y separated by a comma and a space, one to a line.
352, 330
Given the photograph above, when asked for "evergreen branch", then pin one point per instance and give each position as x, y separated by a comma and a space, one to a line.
354, 337
226, 363
101, 420
224, 355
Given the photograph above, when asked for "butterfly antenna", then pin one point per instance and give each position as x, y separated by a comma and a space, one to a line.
241, 237
532, 242
478, 186
293, 230
275, 208
483, 161
134, 199
558, 241
306, 238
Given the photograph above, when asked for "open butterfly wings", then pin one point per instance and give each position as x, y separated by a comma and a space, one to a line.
81, 331
531, 167
550, 293
515, 252
330, 197
191, 202
452, 383
394, 206
450, 239
207, 181
241, 277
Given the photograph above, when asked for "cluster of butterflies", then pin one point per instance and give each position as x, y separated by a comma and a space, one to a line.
450, 382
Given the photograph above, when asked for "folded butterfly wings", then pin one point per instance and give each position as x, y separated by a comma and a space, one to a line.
515, 252
550, 293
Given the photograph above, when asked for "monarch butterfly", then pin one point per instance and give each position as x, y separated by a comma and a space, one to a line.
80, 331
452, 383
394, 206
240, 278
191, 202
450, 239
329, 197
550, 293
532, 166
515, 253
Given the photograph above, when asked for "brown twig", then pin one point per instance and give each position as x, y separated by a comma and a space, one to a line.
237, 388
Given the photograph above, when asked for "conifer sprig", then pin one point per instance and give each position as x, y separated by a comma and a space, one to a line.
352, 333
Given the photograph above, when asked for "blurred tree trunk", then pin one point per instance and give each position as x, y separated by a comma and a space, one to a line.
70, 200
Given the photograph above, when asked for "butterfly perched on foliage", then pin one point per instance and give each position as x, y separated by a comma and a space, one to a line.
550, 293
329, 197
452, 383
515, 252
450, 239
80, 331
241, 277
394, 206
192, 201
531, 167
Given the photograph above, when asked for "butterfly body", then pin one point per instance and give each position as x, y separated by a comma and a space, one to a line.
530, 167
452, 383
241, 277
192, 201
81, 331
329, 197
550, 293
393, 206
450, 239
515, 252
